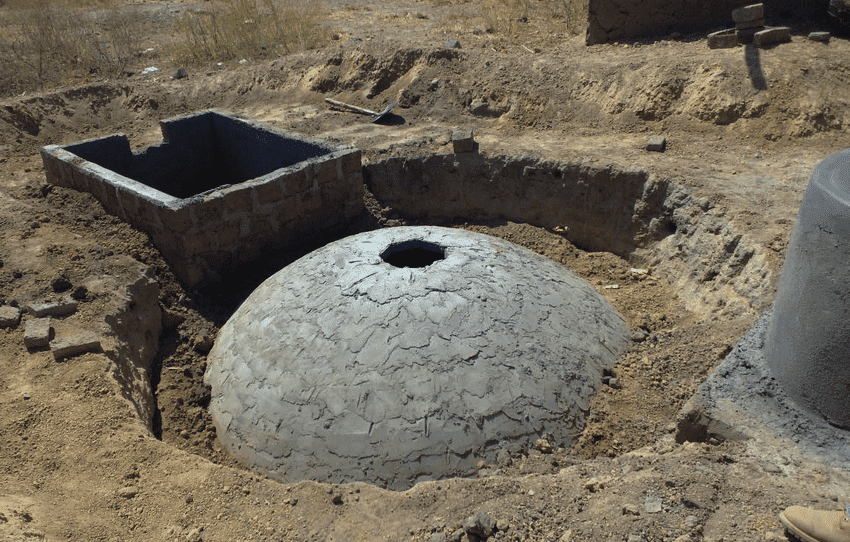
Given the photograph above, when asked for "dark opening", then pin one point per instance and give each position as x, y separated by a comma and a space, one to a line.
413, 253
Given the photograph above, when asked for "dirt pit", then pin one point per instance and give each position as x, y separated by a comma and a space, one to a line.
76, 462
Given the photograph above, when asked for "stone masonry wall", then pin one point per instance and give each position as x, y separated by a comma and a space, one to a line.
206, 236
612, 20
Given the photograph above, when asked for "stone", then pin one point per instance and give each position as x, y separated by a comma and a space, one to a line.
80, 293
463, 141
61, 308
180, 73
390, 356
452, 44
748, 13
480, 524
772, 36
37, 332
9, 316
653, 505
203, 342
822, 37
60, 283
542, 445
723, 39
128, 492
630, 510
65, 347
656, 144
758, 23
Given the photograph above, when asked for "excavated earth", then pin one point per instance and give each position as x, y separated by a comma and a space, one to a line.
686, 244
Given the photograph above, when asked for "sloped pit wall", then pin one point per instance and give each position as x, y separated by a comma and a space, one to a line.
209, 234
628, 212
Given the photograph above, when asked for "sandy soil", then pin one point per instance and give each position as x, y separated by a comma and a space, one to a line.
744, 130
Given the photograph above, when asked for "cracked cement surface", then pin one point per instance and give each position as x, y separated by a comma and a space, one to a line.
342, 367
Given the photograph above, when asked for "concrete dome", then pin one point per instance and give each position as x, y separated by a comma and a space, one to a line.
406, 354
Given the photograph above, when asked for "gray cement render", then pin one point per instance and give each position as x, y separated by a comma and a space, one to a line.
342, 367
742, 399
808, 338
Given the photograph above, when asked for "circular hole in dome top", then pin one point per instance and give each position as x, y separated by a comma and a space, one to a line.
413, 253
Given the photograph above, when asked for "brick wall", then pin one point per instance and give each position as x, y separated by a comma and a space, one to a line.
612, 20
205, 236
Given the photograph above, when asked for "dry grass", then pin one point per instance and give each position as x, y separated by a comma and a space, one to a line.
46, 43
513, 23
250, 29
49, 43
521, 17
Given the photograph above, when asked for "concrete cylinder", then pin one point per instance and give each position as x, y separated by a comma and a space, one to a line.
808, 337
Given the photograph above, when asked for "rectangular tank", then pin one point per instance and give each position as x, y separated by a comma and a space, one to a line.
218, 191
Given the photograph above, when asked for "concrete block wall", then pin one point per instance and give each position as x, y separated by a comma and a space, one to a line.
612, 20
206, 235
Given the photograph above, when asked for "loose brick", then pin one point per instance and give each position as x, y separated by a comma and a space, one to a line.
723, 39
9, 316
772, 36
61, 308
758, 23
64, 347
37, 332
463, 141
748, 13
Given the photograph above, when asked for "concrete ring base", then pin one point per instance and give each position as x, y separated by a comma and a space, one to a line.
808, 338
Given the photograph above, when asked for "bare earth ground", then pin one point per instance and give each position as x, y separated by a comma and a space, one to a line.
744, 132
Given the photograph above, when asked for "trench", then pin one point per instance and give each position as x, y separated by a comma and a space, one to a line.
641, 218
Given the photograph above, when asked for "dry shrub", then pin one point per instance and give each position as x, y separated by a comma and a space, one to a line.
518, 18
249, 29
47, 43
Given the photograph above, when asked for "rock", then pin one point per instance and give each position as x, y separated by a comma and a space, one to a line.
723, 39
439, 537
567, 536
194, 535
596, 483
503, 525
203, 342
60, 283
543, 446
180, 73
452, 44
631, 510
65, 347
639, 336
80, 293
772, 36
62, 308
656, 144
37, 332
748, 13
9, 316
822, 37
463, 141
480, 524
653, 505
128, 492
337, 498
636, 537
